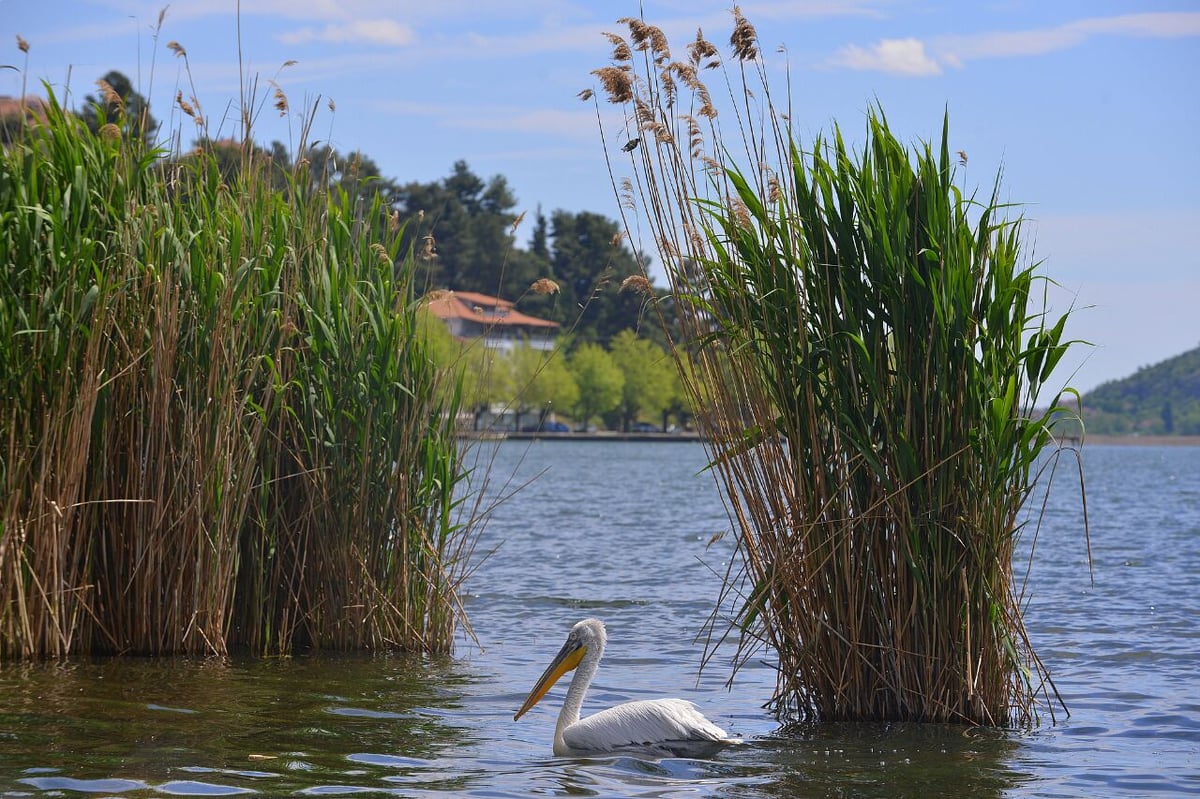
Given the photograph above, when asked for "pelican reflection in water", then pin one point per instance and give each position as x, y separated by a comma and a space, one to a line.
662, 727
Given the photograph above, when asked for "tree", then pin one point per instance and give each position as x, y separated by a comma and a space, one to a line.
600, 381
119, 104
541, 382
589, 263
487, 378
471, 225
649, 376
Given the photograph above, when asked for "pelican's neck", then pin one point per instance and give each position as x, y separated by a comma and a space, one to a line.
577, 690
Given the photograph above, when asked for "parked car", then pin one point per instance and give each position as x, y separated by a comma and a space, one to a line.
546, 427
645, 427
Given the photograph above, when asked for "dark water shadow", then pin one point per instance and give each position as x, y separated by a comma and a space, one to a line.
875, 760
223, 726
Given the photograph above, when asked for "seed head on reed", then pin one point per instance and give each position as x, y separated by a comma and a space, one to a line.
643, 113
638, 31
177, 48
647, 37
281, 102
22, 45
962, 157
110, 94
438, 294
621, 51
628, 197
544, 285
740, 212
184, 105
685, 72
394, 221
702, 49
638, 284
744, 38
384, 258
517, 222
110, 132
585, 95
617, 83
668, 87
428, 248
707, 109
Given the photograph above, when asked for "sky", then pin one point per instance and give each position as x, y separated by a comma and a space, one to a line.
1089, 110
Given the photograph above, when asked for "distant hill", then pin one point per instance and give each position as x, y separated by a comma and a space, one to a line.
1158, 400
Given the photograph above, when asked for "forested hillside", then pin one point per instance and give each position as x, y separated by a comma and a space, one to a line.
1163, 399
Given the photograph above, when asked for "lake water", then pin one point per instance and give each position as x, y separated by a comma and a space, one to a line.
621, 531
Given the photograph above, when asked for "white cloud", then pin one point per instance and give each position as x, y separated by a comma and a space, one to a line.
956, 50
897, 56
913, 57
365, 31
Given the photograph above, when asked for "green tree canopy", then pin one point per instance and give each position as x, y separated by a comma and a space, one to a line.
589, 263
471, 222
541, 381
600, 381
650, 376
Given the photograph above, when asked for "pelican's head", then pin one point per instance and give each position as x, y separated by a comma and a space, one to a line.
587, 634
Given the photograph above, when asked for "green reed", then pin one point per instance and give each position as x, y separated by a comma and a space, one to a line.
869, 352
219, 428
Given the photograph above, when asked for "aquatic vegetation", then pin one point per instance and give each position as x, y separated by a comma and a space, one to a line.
219, 426
867, 353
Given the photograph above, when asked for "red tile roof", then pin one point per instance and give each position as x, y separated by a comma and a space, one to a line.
33, 108
481, 308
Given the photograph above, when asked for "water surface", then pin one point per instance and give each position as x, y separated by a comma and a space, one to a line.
622, 531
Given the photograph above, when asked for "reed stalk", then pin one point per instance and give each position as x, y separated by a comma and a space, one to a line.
867, 355
219, 427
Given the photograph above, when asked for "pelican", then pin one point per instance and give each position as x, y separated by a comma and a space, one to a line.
663, 727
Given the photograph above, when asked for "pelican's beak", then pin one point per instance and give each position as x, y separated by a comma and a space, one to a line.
567, 658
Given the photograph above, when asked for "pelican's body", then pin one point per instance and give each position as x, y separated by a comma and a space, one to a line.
663, 727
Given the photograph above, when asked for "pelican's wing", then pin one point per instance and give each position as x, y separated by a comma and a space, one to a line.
668, 726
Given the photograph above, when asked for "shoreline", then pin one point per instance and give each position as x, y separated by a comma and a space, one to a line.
488, 435
1142, 441
1093, 440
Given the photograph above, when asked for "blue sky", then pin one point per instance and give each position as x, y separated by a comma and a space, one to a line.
1090, 108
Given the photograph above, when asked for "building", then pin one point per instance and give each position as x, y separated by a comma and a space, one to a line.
470, 315
16, 113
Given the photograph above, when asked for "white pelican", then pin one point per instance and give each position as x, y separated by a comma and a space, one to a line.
663, 727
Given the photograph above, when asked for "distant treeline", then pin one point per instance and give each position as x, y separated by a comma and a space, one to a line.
1163, 399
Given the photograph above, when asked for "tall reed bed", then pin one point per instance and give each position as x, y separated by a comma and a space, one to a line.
219, 427
868, 352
